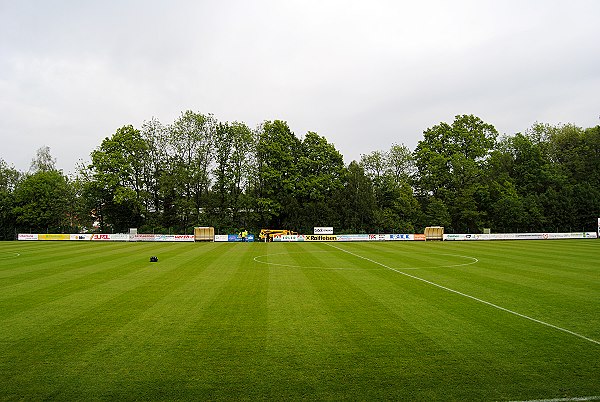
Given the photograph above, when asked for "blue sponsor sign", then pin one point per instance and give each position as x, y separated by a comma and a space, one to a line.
236, 238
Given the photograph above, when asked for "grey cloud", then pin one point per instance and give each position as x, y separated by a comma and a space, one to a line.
364, 74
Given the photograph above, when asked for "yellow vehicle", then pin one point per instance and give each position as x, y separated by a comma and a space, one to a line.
267, 234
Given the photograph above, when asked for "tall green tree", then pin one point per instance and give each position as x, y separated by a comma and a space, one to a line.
390, 173
190, 146
276, 176
449, 162
155, 168
356, 201
43, 203
233, 143
43, 161
9, 179
321, 167
117, 188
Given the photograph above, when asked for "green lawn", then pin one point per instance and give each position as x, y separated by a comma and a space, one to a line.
353, 321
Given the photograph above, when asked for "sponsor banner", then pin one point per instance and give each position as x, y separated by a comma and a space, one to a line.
353, 237
81, 237
327, 230
110, 237
54, 237
145, 237
521, 236
320, 237
103, 237
161, 237
574, 235
376, 237
221, 238
27, 236
598, 233
107, 237
238, 238
281, 237
399, 237
463, 237
419, 237
186, 238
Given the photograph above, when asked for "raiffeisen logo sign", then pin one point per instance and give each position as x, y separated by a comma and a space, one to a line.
320, 238
327, 230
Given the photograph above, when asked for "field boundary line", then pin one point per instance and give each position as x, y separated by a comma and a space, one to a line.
469, 296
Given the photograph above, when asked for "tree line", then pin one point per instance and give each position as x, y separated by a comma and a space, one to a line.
198, 171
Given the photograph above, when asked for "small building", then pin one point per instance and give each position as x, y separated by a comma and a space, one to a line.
206, 233
434, 233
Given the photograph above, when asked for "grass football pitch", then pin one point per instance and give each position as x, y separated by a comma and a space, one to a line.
415, 321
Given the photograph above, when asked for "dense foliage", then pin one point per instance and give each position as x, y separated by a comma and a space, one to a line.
201, 172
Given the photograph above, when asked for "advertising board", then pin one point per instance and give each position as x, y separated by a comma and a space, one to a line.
238, 238
280, 237
27, 236
185, 238
54, 236
221, 238
81, 237
463, 237
376, 237
110, 237
353, 237
323, 230
170, 238
399, 237
520, 236
145, 237
320, 238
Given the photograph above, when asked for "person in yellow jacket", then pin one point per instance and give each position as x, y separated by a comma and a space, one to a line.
244, 235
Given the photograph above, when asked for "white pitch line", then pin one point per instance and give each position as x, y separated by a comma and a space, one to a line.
469, 296
258, 257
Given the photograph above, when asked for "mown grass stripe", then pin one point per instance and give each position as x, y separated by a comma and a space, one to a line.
208, 322
472, 297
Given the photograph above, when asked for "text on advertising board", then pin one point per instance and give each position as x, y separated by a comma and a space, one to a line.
321, 230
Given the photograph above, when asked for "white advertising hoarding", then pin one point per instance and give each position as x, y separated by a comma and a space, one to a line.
280, 237
81, 237
27, 236
323, 230
399, 237
520, 236
110, 237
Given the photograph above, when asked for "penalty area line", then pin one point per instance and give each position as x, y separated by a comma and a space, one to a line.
469, 296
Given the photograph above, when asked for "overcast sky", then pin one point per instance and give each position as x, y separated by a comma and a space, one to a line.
364, 74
